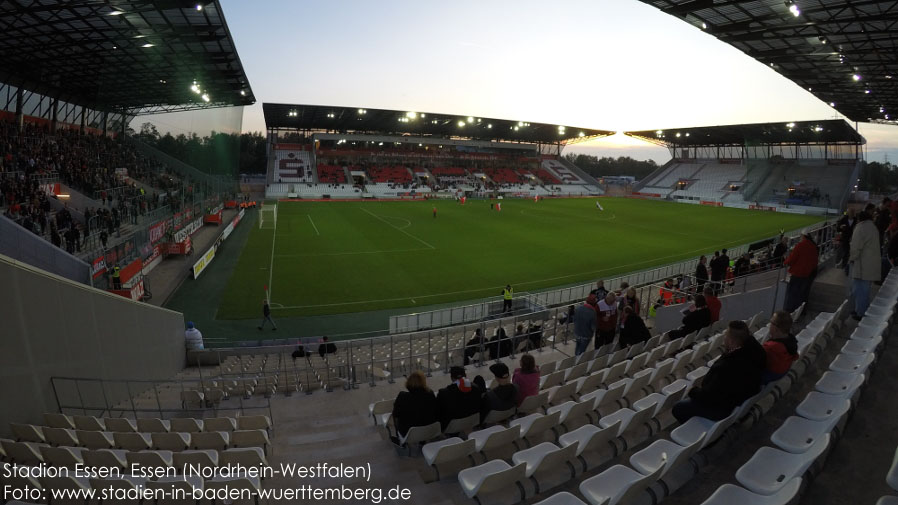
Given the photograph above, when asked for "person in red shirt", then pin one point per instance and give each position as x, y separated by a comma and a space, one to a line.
802, 263
781, 347
713, 303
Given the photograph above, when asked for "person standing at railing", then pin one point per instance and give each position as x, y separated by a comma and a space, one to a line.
585, 320
507, 295
701, 274
607, 323
802, 263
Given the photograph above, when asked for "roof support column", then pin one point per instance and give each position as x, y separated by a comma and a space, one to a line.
20, 116
105, 123
54, 114
83, 120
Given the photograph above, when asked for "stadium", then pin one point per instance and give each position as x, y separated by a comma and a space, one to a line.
405, 305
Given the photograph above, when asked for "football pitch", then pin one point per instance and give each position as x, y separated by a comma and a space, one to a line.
339, 257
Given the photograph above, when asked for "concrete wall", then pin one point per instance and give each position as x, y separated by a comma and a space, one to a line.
51, 326
738, 306
20, 244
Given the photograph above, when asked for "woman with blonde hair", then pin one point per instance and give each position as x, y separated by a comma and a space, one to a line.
415, 407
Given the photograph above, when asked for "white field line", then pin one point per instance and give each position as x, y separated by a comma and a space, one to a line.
274, 237
396, 227
480, 290
351, 253
313, 224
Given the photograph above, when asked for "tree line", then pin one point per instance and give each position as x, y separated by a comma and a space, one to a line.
217, 153
606, 165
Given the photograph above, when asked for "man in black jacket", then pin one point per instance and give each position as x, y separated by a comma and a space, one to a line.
503, 396
459, 399
734, 378
694, 320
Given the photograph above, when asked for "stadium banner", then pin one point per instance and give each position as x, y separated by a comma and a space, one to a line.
183, 247
712, 203
180, 219
762, 207
131, 270
230, 204
238, 217
51, 189
650, 195
155, 254
157, 231
790, 211
188, 230
203, 262
227, 231
135, 292
98, 267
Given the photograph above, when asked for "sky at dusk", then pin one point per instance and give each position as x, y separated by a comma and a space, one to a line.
606, 64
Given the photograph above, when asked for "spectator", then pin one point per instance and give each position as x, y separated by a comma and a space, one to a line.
193, 339
695, 319
300, 352
326, 347
779, 251
266, 316
846, 226
500, 345
718, 270
503, 395
585, 319
864, 260
734, 378
417, 406
475, 345
633, 330
607, 323
892, 250
701, 273
781, 347
802, 263
600, 290
507, 293
459, 399
526, 378
713, 303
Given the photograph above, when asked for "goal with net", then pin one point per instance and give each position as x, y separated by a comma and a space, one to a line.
268, 216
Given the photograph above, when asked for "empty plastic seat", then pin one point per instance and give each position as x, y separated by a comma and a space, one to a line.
149, 459
852, 363
23, 453
839, 383
27, 433
534, 403
153, 425
251, 438
798, 435
495, 437
186, 425
61, 436
119, 424
88, 423
133, 441
462, 424
492, 476
769, 470
222, 424
63, 457
618, 484
591, 440
664, 453
447, 451
698, 427
213, 440
105, 458
560, 394
418, 434
171, 441
630, 419
728, 494
497, 416
535, 425
54, 420
192, 398
95, 439
199, 459
819, 406
562, 498
861, 346
573, 411
545, 458
254, 423
380, 412
245, 457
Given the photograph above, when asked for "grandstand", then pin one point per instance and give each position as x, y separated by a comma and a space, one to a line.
91, 374
800, 165
464, 155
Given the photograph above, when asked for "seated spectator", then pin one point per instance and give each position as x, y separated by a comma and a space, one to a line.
713, 303
474, 345
534, 338
503, 395
459, 399
634, 330
326, 347
781, 347
300, 352
500, 344
734, 377
526, 378
415, 407
695, 319
193, 338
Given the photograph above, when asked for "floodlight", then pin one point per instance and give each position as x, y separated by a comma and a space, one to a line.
411, 115
199, 7
832, 104
195, 88
461, 124
678, 135
470, 119
888, 77
489, 125
362, 111
790, 125
866, 91
687, 134
423, 115
704, 26
516, 128
116, 13
794, 10
205, 97
818, 129
581, 134
856, 77
148, 45
659, 133
520, 123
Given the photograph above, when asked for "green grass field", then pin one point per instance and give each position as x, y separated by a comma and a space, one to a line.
338, 257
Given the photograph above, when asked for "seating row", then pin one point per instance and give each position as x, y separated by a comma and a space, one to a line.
171, 441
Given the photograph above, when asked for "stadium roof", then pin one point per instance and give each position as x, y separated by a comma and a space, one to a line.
845, 52
400, 122
833, 131
136, 56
